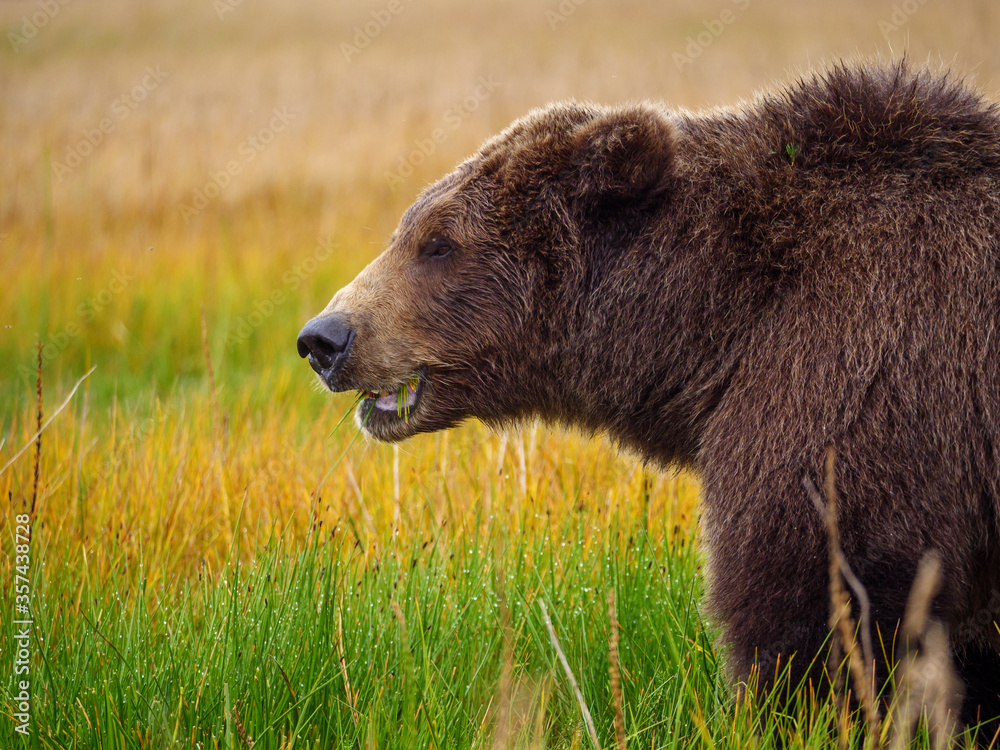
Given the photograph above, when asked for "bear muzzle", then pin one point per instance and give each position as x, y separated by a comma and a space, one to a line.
326, 342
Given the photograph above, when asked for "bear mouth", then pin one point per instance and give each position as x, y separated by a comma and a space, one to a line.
388, 414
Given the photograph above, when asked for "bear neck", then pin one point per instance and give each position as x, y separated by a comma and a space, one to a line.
650, 337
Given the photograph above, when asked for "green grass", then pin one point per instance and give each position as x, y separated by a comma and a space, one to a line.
126, 665
422, 628
253, 652
258, 647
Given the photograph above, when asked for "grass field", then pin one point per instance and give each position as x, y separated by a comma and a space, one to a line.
210, 563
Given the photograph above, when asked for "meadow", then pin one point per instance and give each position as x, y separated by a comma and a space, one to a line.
211, 563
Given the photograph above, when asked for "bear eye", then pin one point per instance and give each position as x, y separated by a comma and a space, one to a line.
437, 247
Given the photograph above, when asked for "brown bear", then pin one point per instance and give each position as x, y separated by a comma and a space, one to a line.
733, 291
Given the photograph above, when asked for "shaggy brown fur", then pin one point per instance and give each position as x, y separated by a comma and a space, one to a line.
734, 291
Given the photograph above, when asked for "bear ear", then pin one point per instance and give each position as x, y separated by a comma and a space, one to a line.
622, 154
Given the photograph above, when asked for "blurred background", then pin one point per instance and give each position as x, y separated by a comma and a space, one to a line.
183, 183
204, 151
186, 183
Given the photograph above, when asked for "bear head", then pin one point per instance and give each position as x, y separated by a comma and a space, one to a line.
472, 308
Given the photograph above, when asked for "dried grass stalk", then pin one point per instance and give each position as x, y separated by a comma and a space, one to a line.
615, 673
927, 686
588, 720
861, 662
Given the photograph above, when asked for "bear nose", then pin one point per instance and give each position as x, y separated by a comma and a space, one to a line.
325, 341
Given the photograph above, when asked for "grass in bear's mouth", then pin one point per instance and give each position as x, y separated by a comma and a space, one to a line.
403, 398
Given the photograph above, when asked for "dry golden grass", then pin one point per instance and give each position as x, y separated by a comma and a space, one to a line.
354, 120
165, 488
